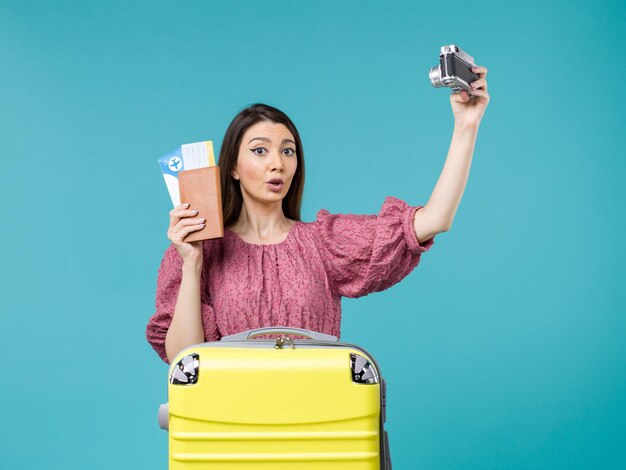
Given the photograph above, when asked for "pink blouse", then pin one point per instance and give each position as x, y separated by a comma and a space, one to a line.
298, 282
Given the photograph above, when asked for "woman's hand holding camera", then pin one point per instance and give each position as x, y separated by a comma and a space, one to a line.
468, 108
182, 223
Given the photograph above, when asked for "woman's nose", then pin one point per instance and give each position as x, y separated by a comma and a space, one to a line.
276, 162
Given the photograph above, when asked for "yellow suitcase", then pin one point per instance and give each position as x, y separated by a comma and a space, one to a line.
243, 403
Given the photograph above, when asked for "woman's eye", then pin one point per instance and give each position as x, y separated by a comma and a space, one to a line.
258, 150
290, 152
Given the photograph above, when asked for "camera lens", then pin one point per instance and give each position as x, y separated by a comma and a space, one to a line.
435, 76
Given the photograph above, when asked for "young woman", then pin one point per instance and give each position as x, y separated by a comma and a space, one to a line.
272, 269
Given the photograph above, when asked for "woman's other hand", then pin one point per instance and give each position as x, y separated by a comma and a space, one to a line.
468, 109
182, 222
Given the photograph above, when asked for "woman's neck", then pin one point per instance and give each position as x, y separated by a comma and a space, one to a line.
262, 225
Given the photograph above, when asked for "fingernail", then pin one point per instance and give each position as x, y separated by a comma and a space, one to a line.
186, 204
201, 220
195, 212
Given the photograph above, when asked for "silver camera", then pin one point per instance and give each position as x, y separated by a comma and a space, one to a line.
454, 70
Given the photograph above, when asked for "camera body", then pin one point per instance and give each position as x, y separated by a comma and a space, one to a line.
454, 70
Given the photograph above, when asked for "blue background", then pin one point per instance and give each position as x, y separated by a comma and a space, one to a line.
503, 349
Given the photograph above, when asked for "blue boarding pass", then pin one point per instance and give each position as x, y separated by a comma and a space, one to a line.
185, 157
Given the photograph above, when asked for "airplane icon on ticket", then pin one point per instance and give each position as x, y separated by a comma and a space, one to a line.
175, 163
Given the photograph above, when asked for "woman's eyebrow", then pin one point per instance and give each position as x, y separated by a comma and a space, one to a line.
265, 139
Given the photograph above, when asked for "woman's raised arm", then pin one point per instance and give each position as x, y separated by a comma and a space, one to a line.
438, 213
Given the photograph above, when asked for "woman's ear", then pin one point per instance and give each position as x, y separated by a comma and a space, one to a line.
235, 174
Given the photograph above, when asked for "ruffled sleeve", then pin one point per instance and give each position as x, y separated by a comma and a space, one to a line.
370, 253
168, 283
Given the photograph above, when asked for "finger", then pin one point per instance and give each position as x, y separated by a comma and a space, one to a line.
174, 211
187, 222
478, 92
480, 83
192, 228
180, 206
482, 93
180, 235
482, 71
185, 213
461, 97
178, 214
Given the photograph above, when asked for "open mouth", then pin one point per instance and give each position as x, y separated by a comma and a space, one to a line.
275, 186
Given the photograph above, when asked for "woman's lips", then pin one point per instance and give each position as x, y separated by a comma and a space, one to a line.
275, 187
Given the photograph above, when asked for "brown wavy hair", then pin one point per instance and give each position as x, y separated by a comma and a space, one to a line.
232, 200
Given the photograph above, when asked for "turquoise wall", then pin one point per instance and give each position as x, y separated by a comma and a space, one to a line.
503, 349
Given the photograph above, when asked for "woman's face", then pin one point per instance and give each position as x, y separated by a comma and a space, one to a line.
267, 152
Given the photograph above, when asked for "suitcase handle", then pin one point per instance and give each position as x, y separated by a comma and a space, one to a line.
244, 335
